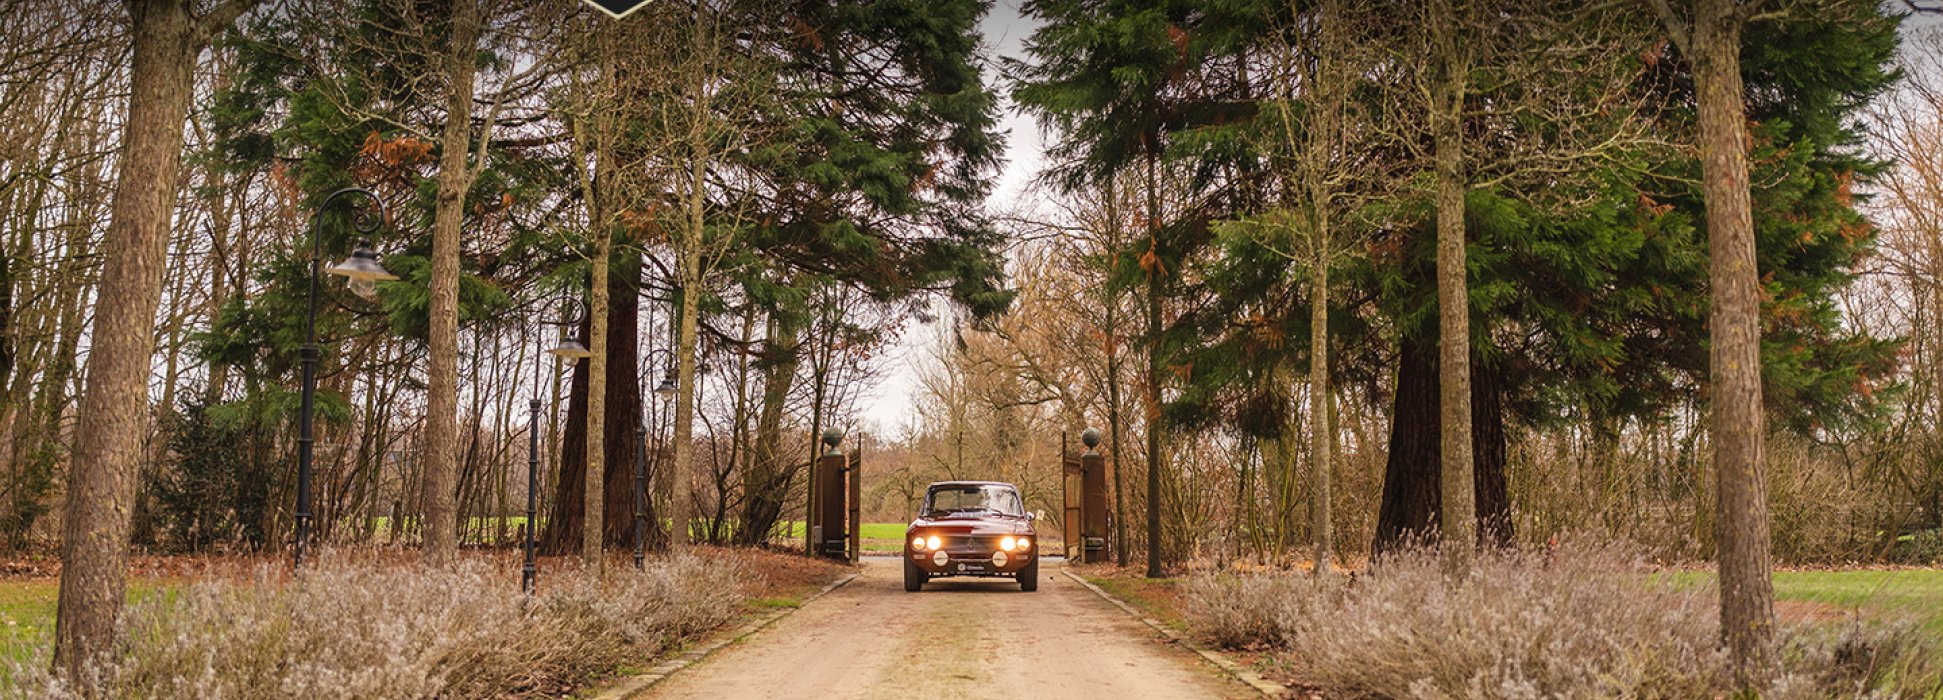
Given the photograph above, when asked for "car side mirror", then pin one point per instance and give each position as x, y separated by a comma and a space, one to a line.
1031, 516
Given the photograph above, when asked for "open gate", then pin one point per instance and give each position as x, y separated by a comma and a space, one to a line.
1083, 528
1072, 539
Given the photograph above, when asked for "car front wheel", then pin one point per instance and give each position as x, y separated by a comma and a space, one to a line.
1029, 576
913, 577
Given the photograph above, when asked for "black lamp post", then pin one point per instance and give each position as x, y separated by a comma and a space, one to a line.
570, 350
664, 390
364, 272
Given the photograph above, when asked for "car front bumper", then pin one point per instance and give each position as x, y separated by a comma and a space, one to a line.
970, 562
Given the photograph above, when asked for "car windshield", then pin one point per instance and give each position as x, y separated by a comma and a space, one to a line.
973, 498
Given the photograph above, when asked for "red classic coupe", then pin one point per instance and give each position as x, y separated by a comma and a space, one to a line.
971, 528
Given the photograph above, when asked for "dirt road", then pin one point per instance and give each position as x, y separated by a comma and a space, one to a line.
958, 638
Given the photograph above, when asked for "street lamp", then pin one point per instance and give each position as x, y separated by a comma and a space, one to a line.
364, 272
569, 351
664, 390
570, 348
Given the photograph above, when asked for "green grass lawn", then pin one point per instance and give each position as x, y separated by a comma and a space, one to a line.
878, 537
1900, 594
871, 531
1910, 593
27, 612
26, 615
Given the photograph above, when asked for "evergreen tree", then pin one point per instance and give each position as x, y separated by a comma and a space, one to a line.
1124, 83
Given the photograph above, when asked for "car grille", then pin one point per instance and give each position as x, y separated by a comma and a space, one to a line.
971, 542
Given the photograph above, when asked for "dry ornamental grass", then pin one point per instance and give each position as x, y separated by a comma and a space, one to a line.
1583, 621
347, 629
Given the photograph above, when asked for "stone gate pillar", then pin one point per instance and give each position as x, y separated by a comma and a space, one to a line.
1093, 497
828, 536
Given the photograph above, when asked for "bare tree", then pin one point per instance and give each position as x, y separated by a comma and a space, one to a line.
720, 87
1319, 153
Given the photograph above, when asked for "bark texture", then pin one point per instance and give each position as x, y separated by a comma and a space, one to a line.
439, 494
687, 335
1320, 460
1739, 426
1453, 296
1412, 478
624, 410
593, 496
1156, 368
113, 417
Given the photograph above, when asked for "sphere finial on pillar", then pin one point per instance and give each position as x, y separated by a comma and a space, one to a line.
1091, 438
832, 436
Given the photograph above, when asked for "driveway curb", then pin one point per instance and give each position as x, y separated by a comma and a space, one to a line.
1261, 684
634, 686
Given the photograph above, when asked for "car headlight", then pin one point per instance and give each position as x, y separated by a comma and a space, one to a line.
1008, 543
917, 543
933, 542
1025, 544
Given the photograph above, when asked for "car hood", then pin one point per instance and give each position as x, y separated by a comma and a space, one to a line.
973, 526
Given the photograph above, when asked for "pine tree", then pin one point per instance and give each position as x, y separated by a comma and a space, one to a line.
1124, 83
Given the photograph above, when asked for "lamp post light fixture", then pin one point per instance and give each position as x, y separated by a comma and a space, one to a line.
568, 351
364, 272
666, 389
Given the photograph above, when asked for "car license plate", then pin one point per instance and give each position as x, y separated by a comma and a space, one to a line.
970, 568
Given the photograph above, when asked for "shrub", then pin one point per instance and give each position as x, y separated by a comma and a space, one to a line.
1585, 620
359, 630
1922, 548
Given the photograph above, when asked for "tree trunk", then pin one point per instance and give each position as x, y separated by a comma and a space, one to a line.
1319, 424
113, 415
685, 389
690, 243
1156, 367
1740, 464
594, 495
440, 526
766, 486
1412, 478
1453, 296
1111, 328
1282, 456
1490, 486
624, 406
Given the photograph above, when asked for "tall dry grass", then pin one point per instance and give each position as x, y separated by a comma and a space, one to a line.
348, 629
1587, 620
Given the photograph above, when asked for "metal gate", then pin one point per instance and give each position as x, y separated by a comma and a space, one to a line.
1073, 519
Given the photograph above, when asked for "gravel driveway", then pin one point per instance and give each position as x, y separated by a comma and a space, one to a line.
958, 638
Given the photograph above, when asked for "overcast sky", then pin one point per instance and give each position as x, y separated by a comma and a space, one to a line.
886, 409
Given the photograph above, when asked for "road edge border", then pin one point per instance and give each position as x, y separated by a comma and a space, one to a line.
1261, 684
633, 686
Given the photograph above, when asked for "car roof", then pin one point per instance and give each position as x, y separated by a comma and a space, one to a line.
936, 484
